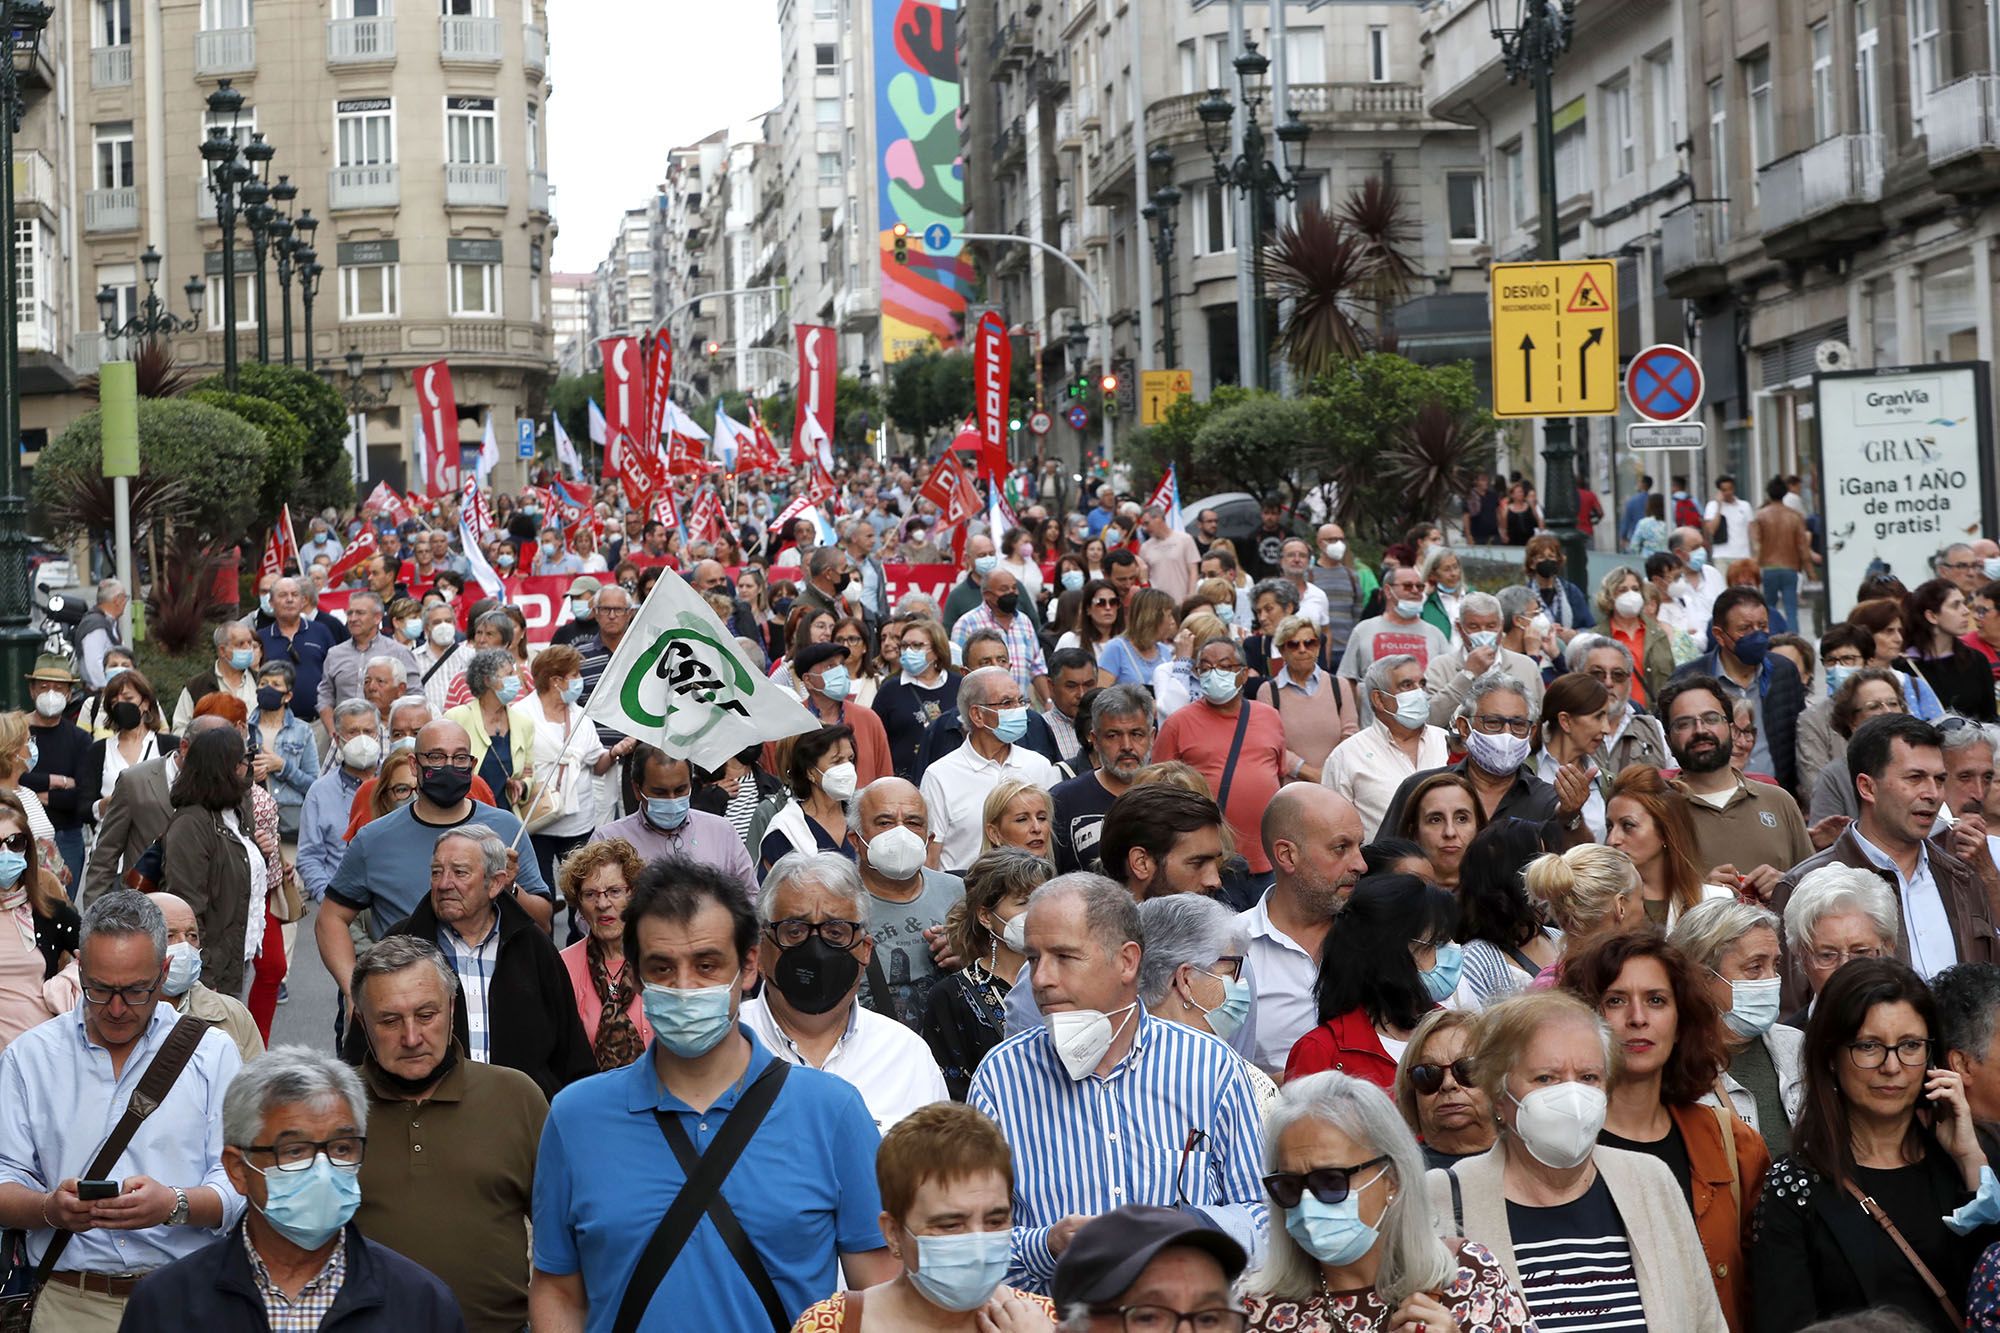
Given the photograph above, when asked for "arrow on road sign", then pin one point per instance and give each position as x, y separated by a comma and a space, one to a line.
1528, 367
1583, 360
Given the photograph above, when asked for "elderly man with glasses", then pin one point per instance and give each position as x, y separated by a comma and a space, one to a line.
1448, 678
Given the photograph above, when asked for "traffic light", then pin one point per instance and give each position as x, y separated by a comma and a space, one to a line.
711, 347
901, 231
1109, 384
1079, 387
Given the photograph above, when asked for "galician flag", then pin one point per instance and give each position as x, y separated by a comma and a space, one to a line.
679, 682
596, 423
489, 452
566, 451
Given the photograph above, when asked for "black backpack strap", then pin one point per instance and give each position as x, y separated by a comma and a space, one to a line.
702, 1193
1235, 749
880, 998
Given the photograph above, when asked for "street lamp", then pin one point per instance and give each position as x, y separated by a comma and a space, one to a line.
309, 274
21, 25
1532, 34
255, 194
1160, 211
152, 320
1252, 173
280, 228
226, 175
360, 399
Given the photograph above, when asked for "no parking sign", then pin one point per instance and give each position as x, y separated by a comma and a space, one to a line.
1663, 383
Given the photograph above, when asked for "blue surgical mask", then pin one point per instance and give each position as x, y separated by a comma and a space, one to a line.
1836, 676
1441, 978
1451, 589
1698, 558
836, 683
915, 660
113, 673
983, 565
1483, 638
668, 812
1752, 648
1753, 1006
1409, 610
307, 1207
241, 658
183, 969
690, 1023
1332, 1233
34, 755
961, 1272
1226, 614
1010, 724
1072, 580
509, 688
572, 690
264, 604
1218, 686
1228, 1018
12, 866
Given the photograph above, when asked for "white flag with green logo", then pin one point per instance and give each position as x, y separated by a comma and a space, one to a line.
679, 681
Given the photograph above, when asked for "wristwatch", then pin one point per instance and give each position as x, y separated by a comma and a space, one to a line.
179, 1216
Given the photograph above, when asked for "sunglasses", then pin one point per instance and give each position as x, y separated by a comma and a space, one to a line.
18, 843
1428, 1078
1329, 1184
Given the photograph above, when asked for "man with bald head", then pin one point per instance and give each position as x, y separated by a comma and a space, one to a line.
1312, 835
1001, 609
386, 871
182, 984
907, 900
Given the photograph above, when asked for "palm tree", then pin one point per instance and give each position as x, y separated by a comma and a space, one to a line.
1432, 459
1321, 266
1375, 212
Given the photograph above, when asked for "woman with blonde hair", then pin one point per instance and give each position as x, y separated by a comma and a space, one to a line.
1173, 680
1647, 818
964, 1017
1016, 814
1589, 890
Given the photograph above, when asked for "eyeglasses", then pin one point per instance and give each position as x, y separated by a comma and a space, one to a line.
344, 1151
439, 759
1911, 1051
618, 894
1161, 1319
1616, 676
852, 641
1680, 726
402, 791
1832, 958
1302, 646
793, 931
18, 842
1743, 733
1879, 706
1097, 603
1329, 1184
1428, 1079
1493, 724
1850, 659
132, 995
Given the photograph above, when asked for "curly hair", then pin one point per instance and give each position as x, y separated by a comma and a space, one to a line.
588, 859
1700, 1051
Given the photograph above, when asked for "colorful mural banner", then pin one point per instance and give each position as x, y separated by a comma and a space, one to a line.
917, 101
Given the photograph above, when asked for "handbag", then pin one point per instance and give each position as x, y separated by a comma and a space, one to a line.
22, 1285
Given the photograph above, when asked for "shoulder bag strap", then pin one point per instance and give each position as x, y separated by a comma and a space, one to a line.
850, 1311
1235, 749
435, 666
154, 1084
1881, 1219
702, 1193
879, 997
1457, 1200
1725, 1119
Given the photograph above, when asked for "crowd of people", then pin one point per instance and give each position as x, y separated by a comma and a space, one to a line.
1158, 930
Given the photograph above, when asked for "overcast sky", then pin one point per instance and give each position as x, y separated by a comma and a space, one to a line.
633, 80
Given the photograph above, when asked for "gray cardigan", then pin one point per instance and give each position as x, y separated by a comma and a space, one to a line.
1667, 1258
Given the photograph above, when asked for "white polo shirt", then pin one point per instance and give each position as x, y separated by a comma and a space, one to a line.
1285, 976
888, 1064
955, 789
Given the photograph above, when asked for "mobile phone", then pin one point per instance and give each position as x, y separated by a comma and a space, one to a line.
92, 1190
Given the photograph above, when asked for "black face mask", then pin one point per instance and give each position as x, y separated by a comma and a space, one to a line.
1546, 569
443, 786
124, 715
270, 699
417, 1087
814, 976
1007, 603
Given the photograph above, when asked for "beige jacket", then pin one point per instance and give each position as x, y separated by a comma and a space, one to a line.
1667, 1257
220, 1011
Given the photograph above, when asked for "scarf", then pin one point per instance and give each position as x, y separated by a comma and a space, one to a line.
617, 1042
14, 902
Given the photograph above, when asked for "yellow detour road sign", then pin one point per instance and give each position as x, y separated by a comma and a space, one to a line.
1555, 339
1160, 390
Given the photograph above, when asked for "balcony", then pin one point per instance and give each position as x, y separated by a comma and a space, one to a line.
1011, 143
362, 41
38, 326
35, 64
474, 185
855, 310
538, 193
378, 186
464, 40
1962, 133
1693, 239
111, 67
35, 185
111, 210
534, 48
225, 51
1814, 202
1333, 106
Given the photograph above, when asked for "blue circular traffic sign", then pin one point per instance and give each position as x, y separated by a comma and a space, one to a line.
937, 236
1078, 418
1663, 383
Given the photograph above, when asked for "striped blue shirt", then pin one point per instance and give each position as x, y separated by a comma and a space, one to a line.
1090, 1145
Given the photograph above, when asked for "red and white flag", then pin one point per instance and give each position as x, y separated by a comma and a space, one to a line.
949, 487
818, 368
659, 378
687, 447
666, 509
706, 523
384, 500
350, 560
624, 389
764, 456
437, 429
992, 364
472, 510
819, 449
783, 522
280, 546
819, 486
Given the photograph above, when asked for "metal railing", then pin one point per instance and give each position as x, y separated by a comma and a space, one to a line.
225, 51
34, 180
1844, 169
110, 66
1315, 102
111, 210
469, 39
377, 186
1963, 118
475, 185
360, 40
1691, 236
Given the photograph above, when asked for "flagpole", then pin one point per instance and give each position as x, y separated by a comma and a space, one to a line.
561, 754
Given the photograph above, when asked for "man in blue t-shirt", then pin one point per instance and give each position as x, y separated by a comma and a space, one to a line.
609, 1167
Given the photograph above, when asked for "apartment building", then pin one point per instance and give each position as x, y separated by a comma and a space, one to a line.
414, 133
56, 315
569, 319
622, 289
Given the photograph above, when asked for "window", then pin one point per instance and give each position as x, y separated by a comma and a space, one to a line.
246, 307
361, 9
1867, 78
1572, 151
365, 132
1215, 215
26, 273
217, 15
1618, 137
1514, 180
1926, 57
1191, 66
111, 23
114, 168
829, 169
826, 111
1821, 34
1305, 56
825, 9
475, 289
1757, 93
1993, 35
534, 158
638, 261
1664, 88
1378, 53
825, 59
123, 280
472, 9
1718, 152
370, 291
471, 132
1466, 204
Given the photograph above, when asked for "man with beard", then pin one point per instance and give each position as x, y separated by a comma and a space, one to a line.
1746, 834
1121, 736
1313, 837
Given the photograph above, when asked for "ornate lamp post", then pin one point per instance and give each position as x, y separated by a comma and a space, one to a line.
360, 399
152, 320
280, 227
21, 26
310, 270
1254, 174
1531, 38
1161, 211
255, 194
226, 175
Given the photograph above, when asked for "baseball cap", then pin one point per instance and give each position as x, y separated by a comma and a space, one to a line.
1108, 1253
583, 585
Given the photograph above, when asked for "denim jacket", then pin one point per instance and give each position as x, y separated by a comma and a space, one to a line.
295, 743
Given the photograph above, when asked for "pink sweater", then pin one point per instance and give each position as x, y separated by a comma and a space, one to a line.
588, 1007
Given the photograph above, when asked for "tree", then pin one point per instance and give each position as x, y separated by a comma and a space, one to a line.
1172, 442
1362, 407
930, 392
325, 469
1375, 213
285, 436
1261, 444
1434, 457
1321, 266
570, 401
193, 458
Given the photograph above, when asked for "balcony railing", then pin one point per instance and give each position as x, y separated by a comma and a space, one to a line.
34, 182
360, 41
1690, 236
1963, 118
538, 193
378, 186
1318, 104
1845, 169
111, 210
475, 185
38, 326
110, 66
225, 51
534, 48
469, 39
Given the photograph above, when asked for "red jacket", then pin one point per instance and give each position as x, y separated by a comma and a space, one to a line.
1347, 1043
